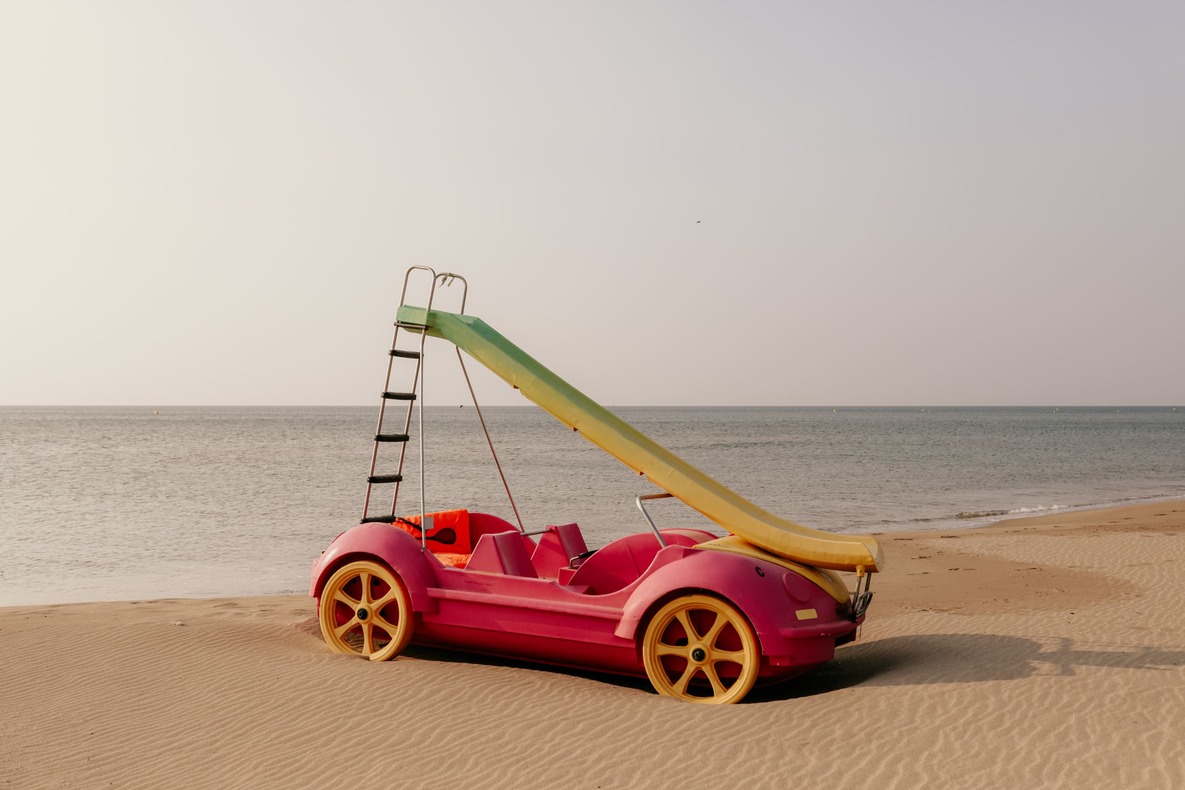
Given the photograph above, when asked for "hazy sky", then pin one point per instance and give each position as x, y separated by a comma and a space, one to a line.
813, 203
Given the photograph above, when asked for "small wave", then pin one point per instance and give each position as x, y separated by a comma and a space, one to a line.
982, 513
973, 518
1037, 509
1016, 511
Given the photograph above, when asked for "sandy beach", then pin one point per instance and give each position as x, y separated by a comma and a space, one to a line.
1045, 652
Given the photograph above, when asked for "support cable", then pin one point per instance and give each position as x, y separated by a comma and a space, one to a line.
490, 442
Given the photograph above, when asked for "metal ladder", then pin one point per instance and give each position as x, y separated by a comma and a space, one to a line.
408, 396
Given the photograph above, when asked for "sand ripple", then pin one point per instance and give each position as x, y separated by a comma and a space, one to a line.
1069, 675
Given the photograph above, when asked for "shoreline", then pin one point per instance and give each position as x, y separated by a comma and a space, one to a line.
917, 553
1063, 514
1035, 651
1061, 521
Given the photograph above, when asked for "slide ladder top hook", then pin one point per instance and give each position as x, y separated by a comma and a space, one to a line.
448, 278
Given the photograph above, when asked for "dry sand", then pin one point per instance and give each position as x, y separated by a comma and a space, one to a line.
1045, 652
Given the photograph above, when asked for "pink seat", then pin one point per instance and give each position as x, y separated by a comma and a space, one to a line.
557, 546
502, 552
620, 563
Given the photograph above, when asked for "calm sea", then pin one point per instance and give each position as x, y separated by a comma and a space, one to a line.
128, 503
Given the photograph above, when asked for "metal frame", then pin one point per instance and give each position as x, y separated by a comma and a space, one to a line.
417, 388
647, 497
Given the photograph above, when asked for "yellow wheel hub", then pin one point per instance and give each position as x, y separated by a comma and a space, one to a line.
365, 611
700, 648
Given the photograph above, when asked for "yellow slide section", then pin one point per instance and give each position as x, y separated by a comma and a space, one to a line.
621, 440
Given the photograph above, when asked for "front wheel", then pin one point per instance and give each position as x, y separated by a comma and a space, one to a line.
365, 611
700, 648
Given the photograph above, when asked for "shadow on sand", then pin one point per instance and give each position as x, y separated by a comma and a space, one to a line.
961, 658
918, 660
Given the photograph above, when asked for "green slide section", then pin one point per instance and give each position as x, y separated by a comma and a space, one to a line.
640, 453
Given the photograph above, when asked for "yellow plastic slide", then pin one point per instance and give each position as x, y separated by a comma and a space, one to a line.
666, 470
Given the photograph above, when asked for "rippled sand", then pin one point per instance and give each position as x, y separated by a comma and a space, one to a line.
1043, 652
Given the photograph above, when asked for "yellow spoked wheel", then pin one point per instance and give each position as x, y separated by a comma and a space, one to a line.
365, 611
700, 649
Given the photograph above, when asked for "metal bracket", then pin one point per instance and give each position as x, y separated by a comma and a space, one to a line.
647, 497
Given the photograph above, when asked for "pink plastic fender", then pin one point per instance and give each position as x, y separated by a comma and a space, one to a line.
393, 547
762, 598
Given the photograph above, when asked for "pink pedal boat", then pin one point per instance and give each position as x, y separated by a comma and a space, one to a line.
704, 618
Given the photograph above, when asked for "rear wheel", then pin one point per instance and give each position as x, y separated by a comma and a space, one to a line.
700, 648
365, 611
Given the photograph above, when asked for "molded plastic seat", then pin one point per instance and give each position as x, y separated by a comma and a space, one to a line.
621, 562
557, 546
502, 552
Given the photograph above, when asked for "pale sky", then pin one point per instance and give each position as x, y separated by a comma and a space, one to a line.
683, 203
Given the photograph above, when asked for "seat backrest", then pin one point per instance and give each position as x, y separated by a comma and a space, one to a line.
620, 563
502, 552
557, 546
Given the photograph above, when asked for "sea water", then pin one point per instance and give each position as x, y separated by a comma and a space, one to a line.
132, 503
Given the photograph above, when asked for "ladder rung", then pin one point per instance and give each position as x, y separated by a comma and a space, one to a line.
390, 437
398, 352
399, 395
378, 520
384, 479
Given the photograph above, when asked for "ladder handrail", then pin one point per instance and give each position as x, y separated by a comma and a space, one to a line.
417, 385
417, 392
447, 279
